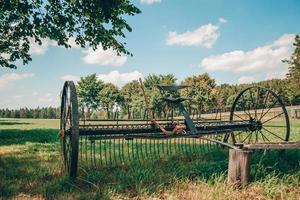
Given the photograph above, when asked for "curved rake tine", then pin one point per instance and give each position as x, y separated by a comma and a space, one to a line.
142, 147
150, 149
185, 145
154, 150
178, 145
86, 150
189, 145
80, 144
182, 144
128, 151
137, 151
167, 147
146, 149
114, 146
91, 153
104, 150
132, 150
163, 146
94, 148
194, 141
100, 152
122, 151
119, 150
156, 146
110, 151
158, 149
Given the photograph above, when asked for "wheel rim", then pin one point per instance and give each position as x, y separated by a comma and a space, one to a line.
267, 112
69, 128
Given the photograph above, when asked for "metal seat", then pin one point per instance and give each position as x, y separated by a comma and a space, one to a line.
171, 87
176, 100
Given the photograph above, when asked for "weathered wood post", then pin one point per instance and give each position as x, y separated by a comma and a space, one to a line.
239, 166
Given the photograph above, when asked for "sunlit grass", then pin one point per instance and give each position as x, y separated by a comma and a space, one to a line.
31, 167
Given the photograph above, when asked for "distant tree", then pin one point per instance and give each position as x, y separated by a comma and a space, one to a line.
109, 96
130, 92
201, 91
88, 89
293, 75
90, 23
157, 104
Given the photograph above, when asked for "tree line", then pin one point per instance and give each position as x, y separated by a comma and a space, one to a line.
105, 100
37, 113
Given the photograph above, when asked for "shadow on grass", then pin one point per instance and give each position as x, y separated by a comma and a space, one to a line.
16, 136
27, 171
36, 171
12, 123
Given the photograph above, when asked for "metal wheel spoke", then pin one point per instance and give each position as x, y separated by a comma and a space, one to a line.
263, 136
246, 137
273, 117
264, 104
248, 113
257, 94
275, 126
251, 96
256, 136
268, 109
239, 117
249, 140
273, 134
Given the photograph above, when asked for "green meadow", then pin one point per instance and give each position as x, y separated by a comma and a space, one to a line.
31, 168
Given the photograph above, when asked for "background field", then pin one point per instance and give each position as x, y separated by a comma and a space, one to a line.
30, 168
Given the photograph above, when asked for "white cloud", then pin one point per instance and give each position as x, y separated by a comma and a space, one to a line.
48, 99
37, 49
264, 59
246, 79
222, 20
118, 78
72, 42
5, 79
150, 1
69, 77
103, 57
204, 36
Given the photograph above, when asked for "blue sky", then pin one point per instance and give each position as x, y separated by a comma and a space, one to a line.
235, 41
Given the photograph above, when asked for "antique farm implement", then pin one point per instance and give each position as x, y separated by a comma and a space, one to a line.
257, 116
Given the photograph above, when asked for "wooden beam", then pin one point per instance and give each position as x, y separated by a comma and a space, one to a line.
279, 145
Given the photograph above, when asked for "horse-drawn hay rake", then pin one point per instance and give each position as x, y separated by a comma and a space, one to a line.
257, 116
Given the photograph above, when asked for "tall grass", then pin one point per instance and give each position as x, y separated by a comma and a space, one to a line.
31, 167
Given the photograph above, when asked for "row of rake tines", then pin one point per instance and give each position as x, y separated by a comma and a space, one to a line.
98, 152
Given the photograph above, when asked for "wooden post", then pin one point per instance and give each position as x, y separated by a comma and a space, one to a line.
239, 166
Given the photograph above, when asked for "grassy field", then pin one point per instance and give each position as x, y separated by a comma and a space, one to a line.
31, 168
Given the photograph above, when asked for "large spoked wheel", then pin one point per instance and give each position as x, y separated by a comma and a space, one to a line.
266, 113
69, 129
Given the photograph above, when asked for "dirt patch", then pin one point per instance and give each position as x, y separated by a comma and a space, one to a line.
29, 197
7, 150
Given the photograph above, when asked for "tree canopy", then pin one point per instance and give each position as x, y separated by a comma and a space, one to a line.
293, 75
88, 89
91, 23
